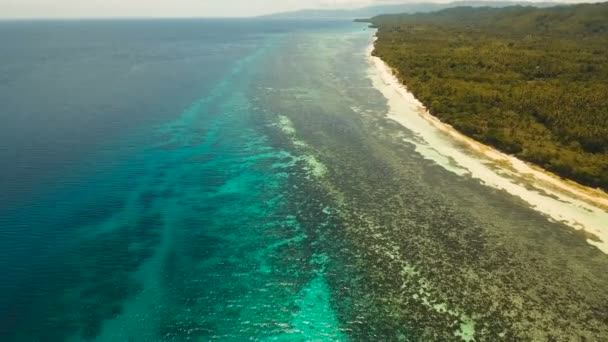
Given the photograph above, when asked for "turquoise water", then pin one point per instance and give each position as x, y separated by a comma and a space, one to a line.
176, 227
238, 180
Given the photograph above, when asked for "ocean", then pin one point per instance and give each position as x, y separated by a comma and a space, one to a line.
232, 180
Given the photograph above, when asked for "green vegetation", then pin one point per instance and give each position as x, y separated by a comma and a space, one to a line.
531, 82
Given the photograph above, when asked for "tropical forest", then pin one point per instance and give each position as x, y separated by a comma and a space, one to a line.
531, 82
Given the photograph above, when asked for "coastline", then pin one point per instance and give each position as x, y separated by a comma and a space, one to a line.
560, 200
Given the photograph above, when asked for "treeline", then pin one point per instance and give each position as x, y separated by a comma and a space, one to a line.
531, 82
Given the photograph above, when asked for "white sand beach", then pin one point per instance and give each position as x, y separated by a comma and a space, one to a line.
582, 208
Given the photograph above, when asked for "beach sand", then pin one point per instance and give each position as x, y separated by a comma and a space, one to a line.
582, 208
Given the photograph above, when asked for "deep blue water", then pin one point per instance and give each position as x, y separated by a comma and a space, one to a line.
138, 190
239, 180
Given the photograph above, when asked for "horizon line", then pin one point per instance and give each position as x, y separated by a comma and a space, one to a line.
186, 17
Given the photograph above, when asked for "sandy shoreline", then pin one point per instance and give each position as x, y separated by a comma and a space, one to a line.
582, 208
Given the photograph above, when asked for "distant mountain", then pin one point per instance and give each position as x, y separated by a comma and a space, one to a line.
421, 7
579, 19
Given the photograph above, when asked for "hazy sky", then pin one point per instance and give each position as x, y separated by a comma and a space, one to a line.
169, 8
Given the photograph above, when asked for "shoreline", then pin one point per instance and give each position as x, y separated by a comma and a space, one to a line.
561, 200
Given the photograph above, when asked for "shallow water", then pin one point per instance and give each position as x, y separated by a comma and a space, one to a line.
239, 180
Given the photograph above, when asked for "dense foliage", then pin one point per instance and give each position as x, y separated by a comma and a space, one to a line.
531, 82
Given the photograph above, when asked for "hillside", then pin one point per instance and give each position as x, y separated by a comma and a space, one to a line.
420, 7
531, 82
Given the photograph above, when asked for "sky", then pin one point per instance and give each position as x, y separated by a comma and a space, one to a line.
171, 8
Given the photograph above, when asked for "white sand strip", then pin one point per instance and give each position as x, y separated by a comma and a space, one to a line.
577, 206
